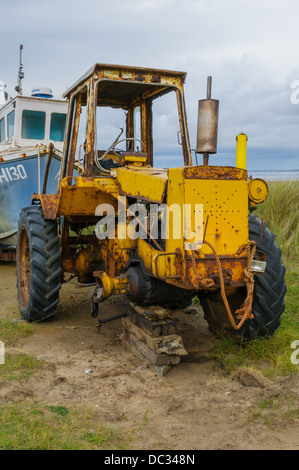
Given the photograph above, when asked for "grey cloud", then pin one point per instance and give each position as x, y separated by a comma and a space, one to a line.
248, 46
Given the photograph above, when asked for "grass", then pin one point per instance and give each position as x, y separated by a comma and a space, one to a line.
41, 427
16, 366
271, 356
10, 331
19, 366
279, 409
27, 426
281, 213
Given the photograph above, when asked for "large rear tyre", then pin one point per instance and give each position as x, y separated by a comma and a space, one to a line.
268, 296
38, 265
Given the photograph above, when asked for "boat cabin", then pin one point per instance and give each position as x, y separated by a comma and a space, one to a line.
27, 121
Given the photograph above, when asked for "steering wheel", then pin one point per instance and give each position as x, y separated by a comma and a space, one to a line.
125, 140
112, 147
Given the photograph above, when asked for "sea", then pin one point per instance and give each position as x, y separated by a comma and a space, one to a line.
275, 175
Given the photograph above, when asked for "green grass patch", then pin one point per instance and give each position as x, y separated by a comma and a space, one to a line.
16, 366
272, 355
281, 212
290, 318
60, 410
279, 409
10, 331
19, 366
41, 427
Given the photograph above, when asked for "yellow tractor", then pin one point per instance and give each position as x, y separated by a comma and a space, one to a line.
159, 236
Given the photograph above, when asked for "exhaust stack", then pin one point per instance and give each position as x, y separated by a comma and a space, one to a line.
207, 125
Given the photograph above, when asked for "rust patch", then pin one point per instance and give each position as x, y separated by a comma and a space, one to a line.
215, 172
49, 159
24, 271
233, 271
49, 204
7, 254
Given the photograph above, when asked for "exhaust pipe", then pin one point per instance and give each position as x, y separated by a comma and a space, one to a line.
207, 125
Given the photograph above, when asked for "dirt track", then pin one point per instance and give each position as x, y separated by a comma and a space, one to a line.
195, 406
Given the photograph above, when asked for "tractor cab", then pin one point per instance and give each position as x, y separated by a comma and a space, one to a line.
110, 120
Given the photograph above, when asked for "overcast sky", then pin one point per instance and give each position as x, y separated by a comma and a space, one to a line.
250, 47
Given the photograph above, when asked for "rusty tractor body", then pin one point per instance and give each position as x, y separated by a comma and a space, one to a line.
92, 228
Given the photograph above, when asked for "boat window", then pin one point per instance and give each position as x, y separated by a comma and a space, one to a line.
10, 124
57, 127
33, 124
2, 130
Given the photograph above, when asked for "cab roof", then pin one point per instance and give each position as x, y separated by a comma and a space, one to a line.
123, 73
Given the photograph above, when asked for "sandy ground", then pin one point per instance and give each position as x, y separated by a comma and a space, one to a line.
197, 405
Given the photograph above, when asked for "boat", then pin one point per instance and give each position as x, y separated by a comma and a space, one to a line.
31, 143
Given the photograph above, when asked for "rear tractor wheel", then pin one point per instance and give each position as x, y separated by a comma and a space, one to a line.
38, 265
268, 295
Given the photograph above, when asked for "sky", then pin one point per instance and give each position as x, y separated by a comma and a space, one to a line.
249, 47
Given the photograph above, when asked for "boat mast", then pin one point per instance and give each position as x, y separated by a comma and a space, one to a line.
19, 88
3, 94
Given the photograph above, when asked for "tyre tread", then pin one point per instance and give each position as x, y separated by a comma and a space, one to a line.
45, 262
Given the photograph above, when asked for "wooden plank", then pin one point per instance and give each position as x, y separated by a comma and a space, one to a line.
153, 328
168, 344
149, 354
161, 370
152, 312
